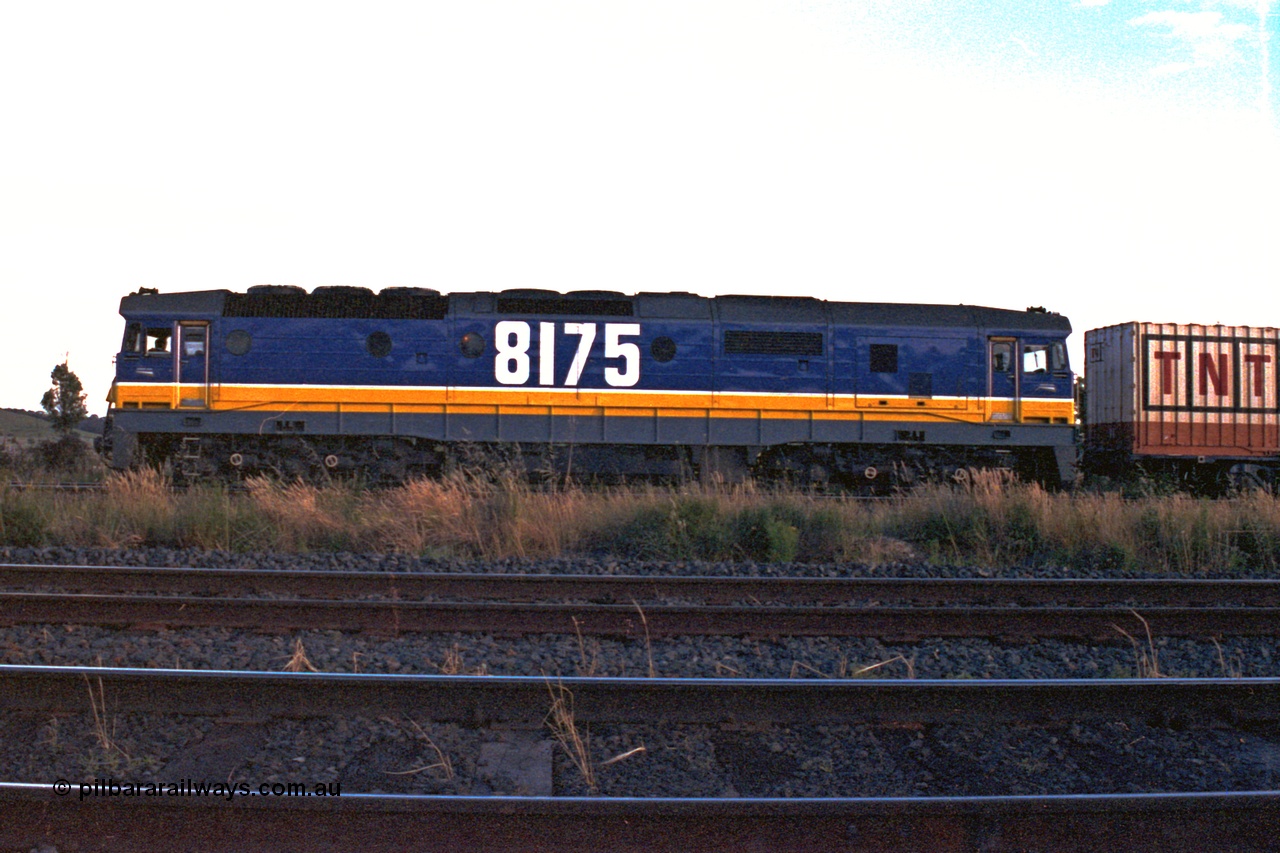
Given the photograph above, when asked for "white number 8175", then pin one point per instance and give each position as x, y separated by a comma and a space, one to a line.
511, 364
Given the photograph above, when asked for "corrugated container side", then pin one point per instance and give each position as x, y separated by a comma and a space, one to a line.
1164, 389
1109, 388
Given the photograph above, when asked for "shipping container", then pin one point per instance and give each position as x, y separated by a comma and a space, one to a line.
1191, 395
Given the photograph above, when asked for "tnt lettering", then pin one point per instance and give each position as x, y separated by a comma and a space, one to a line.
1211, 372
1259, 372
1216, 373
1166, 360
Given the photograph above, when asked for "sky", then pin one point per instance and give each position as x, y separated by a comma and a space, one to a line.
1111, 160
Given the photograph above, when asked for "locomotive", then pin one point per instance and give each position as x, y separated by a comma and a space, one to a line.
592, 384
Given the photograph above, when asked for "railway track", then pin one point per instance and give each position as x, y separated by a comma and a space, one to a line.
35, 813
55, 487
238, 486
524, 700
31, 815
626, 588
898, 624
391, 603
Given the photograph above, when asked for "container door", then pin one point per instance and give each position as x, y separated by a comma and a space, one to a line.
192, 351
1002, 380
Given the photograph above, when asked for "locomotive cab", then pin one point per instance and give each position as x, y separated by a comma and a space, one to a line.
1028, 378
172, 356
164, 358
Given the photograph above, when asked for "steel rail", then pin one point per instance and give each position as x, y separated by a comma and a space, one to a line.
523, 700
383, 617
56, 487
33, 815
627, 588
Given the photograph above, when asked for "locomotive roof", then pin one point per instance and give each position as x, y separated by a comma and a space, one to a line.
421, 303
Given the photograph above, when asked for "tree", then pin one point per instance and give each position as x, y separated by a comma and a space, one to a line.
65, 400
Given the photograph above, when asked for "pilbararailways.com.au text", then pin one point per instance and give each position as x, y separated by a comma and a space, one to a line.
196, 788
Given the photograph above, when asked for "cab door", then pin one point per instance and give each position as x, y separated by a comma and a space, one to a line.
1002, 380
191, 350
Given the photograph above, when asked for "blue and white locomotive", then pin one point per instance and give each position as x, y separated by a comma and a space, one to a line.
596, 383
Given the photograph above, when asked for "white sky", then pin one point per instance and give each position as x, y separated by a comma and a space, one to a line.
1109, 160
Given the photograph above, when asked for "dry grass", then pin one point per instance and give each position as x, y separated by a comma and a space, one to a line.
139, 508
560, 720
987, 521
452, 663
588, 665
879, 551
484, 518
443, 763
797, 666
305, 517
104, 726
908, 662
298, 659
648, 643
1230, 669
1147, 660
841, 669
623, 756
146, 489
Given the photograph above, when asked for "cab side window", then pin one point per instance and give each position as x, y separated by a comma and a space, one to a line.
1057, 357
135, 342
192, 341
158, 341
1044, 358
1001, 357
1035, 358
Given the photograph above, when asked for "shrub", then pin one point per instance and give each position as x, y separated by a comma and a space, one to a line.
769, 534
64, 454
23, 523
